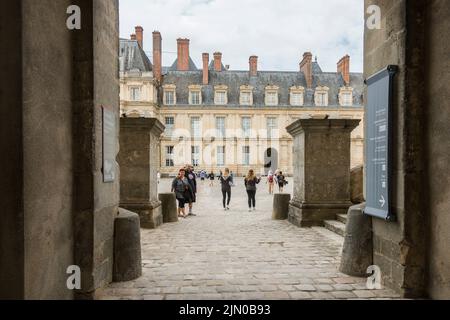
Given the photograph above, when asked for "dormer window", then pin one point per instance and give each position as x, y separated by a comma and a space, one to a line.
135, 93
271, 96
170, 97
195, 95
346, 97
321, 96
220, 95
246, 96
297, 96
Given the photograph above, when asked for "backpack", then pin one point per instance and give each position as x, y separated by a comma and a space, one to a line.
270, 179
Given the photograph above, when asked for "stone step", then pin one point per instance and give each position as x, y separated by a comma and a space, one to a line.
342, 218
335, 226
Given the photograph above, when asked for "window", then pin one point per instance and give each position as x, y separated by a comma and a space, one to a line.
297, 99
220, 127
297, 96
246, 155
321, 96
195, 151
169, 98
194, 97
246, 98
135, 93
220, 98
272, 127
346, 96
221, 155
347, 100
321, 99
246, 127
271, 98
195, 127
169, 156
170, 122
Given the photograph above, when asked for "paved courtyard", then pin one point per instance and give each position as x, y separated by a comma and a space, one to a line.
239, 255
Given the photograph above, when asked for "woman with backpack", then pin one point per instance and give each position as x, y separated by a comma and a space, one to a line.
211, 178
183, 192
250, 184
271, 181
226, 181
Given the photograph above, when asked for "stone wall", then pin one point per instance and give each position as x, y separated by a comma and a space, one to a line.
96, 84
56, 210
413, 252
438, 153
36, 225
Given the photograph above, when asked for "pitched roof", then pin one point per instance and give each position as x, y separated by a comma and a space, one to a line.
132, 57
192, 66
284, 80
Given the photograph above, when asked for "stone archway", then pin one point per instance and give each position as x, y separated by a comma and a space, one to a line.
270, 160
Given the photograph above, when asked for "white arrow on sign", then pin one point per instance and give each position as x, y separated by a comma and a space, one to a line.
382, 201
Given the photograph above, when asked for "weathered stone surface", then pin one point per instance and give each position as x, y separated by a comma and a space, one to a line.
127, 247
139, 164
281, 206
321, 170
357, 254
357, 185
169, 207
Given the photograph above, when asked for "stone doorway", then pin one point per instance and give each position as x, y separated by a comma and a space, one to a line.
270, 160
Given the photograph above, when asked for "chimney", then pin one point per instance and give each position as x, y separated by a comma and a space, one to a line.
133, 36
306, 68
183, 55
157, 55
343, 67
205, 68
140, 36
217, 61
253, 66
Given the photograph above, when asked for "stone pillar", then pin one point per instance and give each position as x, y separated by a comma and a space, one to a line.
321, 170
139, 165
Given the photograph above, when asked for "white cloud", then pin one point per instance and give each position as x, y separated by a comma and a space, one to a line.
277, 31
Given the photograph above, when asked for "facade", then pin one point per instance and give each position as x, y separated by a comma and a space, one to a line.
217, 118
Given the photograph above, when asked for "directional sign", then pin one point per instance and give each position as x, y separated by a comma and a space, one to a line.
378, 143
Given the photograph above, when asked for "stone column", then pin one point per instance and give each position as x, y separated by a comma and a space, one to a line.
321, 170
139, 165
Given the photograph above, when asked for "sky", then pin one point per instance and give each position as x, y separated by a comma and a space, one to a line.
277, 31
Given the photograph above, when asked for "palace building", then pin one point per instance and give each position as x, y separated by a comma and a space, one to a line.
216, 117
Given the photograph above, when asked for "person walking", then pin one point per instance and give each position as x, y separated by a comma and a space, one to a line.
226, 181
182, 189
190, 174
250, 184
281, 182
211, 177
271, 181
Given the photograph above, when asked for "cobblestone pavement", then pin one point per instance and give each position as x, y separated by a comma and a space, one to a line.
239, 255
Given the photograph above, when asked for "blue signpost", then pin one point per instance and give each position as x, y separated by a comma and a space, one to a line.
379, 144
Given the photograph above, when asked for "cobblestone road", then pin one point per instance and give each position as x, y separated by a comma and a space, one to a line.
239, 255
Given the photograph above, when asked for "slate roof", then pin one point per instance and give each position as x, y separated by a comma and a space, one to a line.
192, 66
132, 57
284, 80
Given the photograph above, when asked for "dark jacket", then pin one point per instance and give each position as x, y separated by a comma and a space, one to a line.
192, 180
182, 188
226, 183
250, 185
